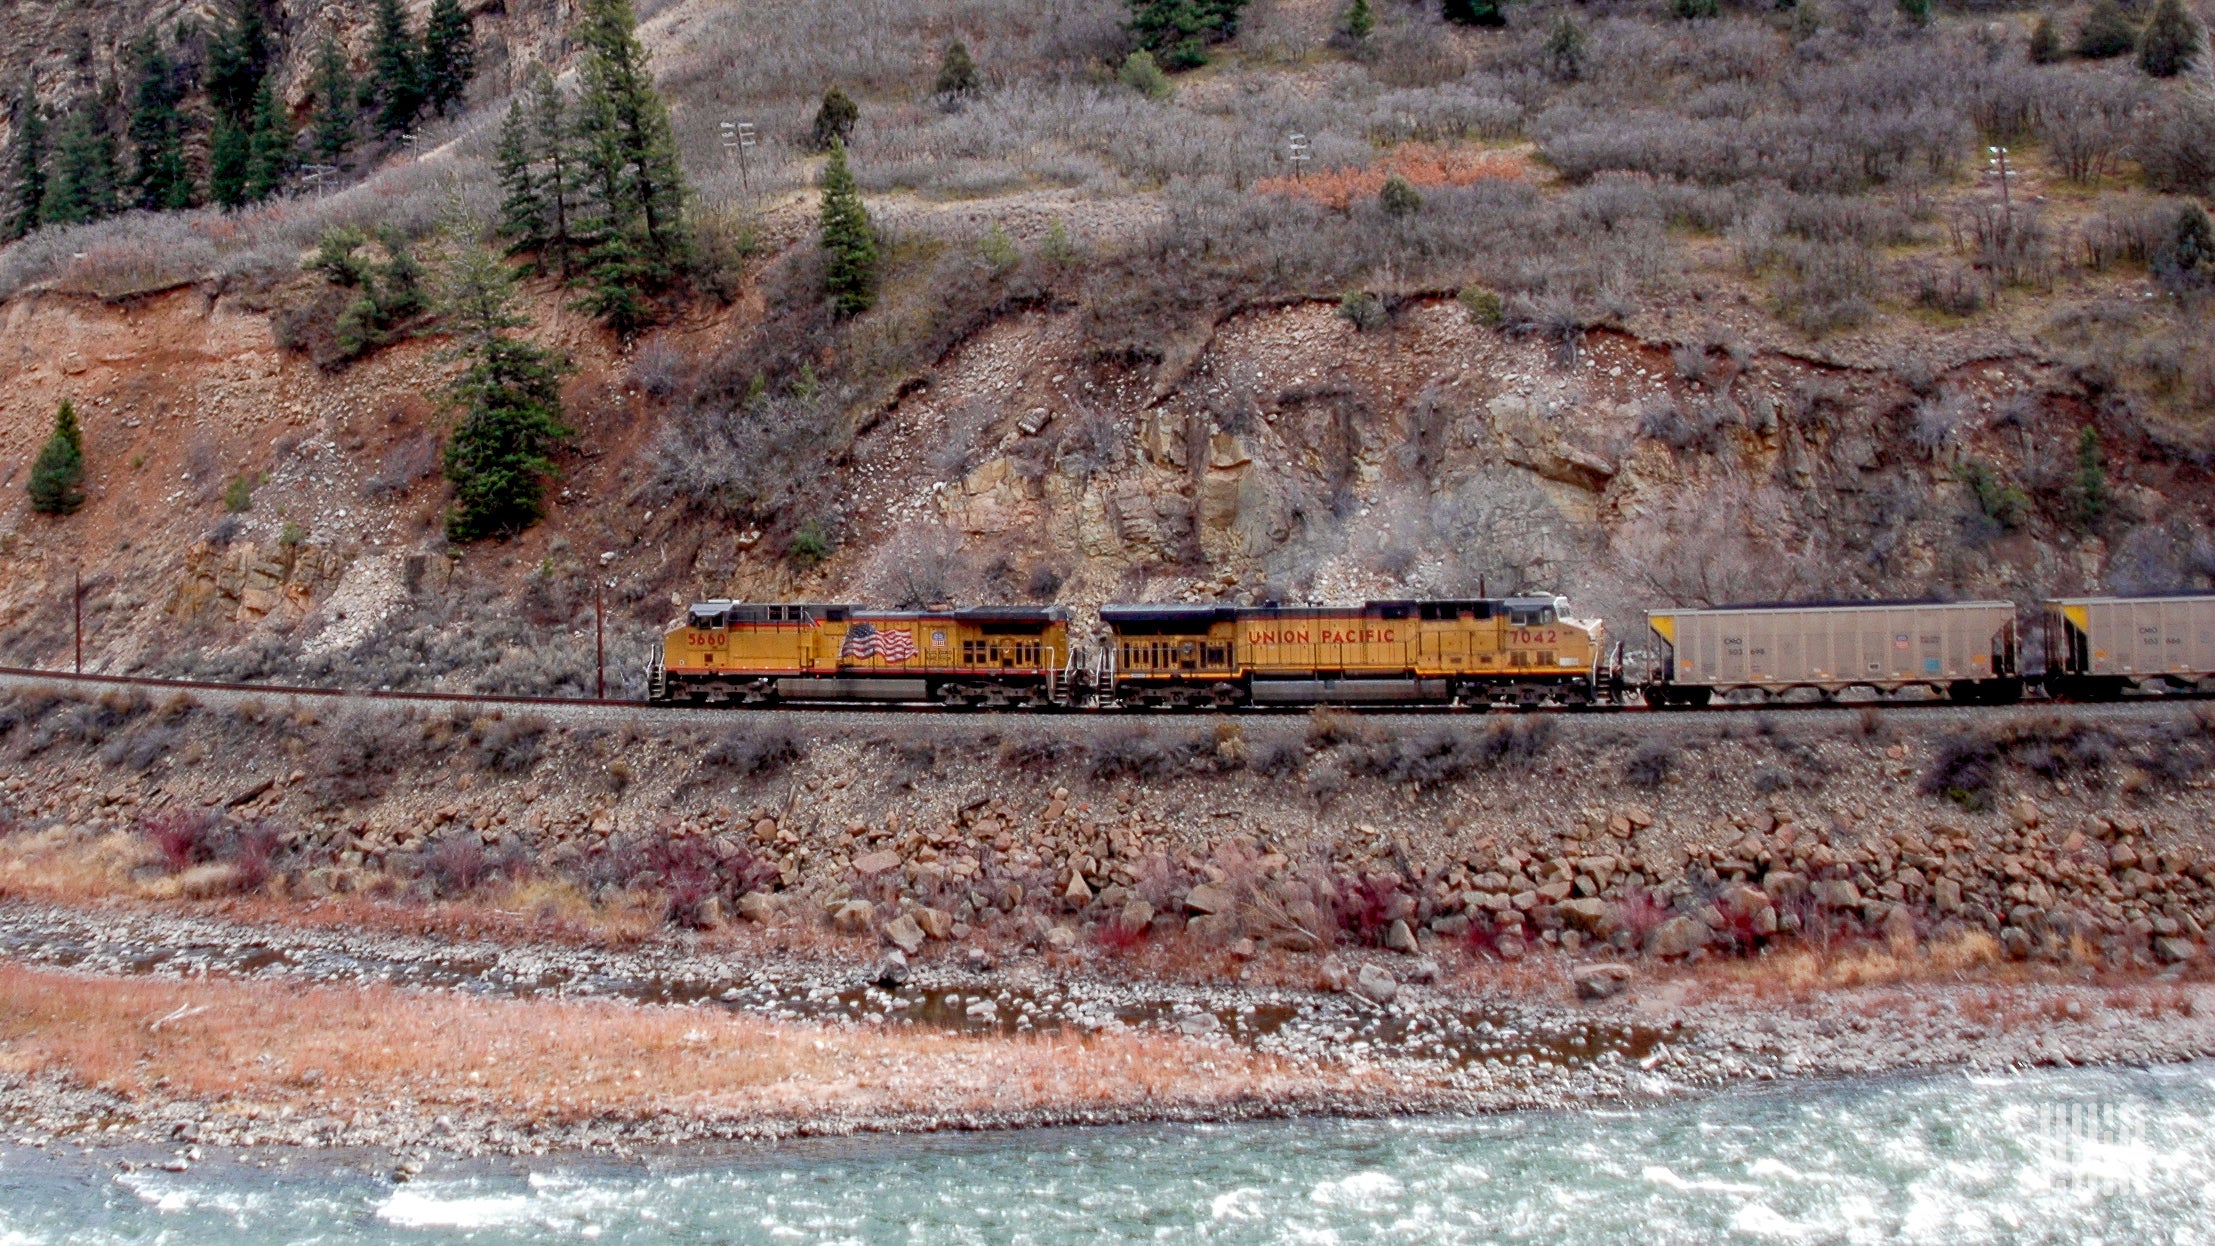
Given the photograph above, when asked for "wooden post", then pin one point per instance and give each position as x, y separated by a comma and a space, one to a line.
77, 612
599, 645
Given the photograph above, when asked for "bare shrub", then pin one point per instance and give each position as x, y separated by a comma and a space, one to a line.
747, 748
1649, 764
508, 743
2086, 122
413, 460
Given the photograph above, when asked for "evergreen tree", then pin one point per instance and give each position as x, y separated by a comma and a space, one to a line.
2106, 32
395, 71
1565, 49
335, 108
626, 154
26, 167
82, 185
2192, 249
238, 60
57, 483
1917, 12
557, 180
1178, 32
509, 399
957, 73
835, 119
523, 208
449, 56
849, 239
230, 155
1359, 23
2045, 44
1483, 12
159, 179
269, 150
2171, 41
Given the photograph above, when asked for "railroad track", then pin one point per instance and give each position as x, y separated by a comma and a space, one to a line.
32, 675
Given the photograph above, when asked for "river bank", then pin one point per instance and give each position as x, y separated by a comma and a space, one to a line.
187, 1031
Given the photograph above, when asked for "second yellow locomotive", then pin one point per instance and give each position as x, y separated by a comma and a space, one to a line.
1516, 650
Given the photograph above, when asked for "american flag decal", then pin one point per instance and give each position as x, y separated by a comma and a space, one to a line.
864, 640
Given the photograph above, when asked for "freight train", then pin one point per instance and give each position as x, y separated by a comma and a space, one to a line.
1471, 653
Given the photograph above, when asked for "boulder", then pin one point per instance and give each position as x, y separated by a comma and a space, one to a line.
1899, 928
1137, 915
1677, 937
1784, 884
2172, 950
875, 863
1077, 894
853, 915
1837, 893
891, 973
1377, 983
1061, 938
936, 923
905, 934
1742, 901
1946, 893
1198, 1024
1585, 914
1602, 981
1208, 898
1401, 939
1451, 926
1510, 946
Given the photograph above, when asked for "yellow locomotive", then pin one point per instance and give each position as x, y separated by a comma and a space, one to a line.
1518, 650
726, 651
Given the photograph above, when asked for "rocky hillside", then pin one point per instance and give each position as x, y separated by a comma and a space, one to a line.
1634, 342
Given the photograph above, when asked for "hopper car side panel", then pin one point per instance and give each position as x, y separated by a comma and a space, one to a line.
1961, 648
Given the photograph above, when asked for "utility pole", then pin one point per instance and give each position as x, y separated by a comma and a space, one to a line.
599, 644
737, 137
77, 612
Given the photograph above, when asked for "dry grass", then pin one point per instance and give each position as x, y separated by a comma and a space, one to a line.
332, 1049
1421, 165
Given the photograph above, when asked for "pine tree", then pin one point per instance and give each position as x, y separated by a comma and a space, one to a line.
835, 119
849, 239
523, 208
230, 153
335, 107
1917, 12
1360, 23
396, 71
1178, 32
1480, 12
626, 155
82, 186
159, 179
238, 60
557, 182
26, 167
449, 56
2106, 32
957, 73
57, 483
269, 150
1565, 49
509, 398
2045, 44
2171, 41
2192, 246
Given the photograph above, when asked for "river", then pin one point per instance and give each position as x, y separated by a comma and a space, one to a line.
2077, 1156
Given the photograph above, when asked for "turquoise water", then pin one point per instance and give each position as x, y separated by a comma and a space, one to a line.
2078, 1156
